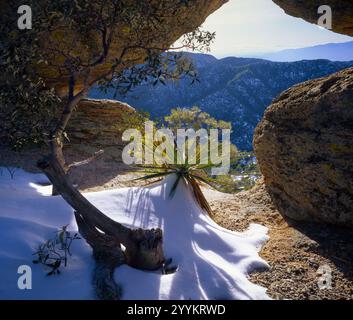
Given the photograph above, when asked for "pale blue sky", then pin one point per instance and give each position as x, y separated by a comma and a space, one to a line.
251, 27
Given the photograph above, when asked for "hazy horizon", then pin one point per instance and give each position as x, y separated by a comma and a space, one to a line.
256, 27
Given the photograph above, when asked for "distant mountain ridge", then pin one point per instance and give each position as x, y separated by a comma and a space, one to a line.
232, 89
330, 51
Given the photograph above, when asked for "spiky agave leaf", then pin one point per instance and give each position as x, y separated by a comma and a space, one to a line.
142, 167
187, 171
202, 179
199, 196
153, 182
151, 176
175, 185
201, 167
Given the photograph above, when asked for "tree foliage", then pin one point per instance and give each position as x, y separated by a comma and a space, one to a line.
197, 119
194, 118
69, 42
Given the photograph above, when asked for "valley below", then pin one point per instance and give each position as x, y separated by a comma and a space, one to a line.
237, 90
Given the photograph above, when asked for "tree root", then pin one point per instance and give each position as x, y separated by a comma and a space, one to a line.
108, 255
143, 248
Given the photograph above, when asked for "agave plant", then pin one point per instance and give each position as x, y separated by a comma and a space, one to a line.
191, 173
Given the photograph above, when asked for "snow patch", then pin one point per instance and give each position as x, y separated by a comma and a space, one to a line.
213, 262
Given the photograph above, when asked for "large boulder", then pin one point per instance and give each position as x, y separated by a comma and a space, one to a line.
304, 143
175, 18
95, 125
304, 147
99, 123
342, 12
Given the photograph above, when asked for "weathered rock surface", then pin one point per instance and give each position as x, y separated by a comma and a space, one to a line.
295, 251
342, 12
99, 122
98, 125
175, 19
95, 125
304, 147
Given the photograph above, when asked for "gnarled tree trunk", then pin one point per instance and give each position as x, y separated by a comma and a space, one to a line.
143, 248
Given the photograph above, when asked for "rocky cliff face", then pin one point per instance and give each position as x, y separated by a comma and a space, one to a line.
304, 147
342, 12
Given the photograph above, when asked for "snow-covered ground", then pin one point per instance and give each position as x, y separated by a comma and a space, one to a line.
213, 261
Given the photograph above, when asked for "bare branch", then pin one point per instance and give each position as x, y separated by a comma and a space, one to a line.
86, 161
